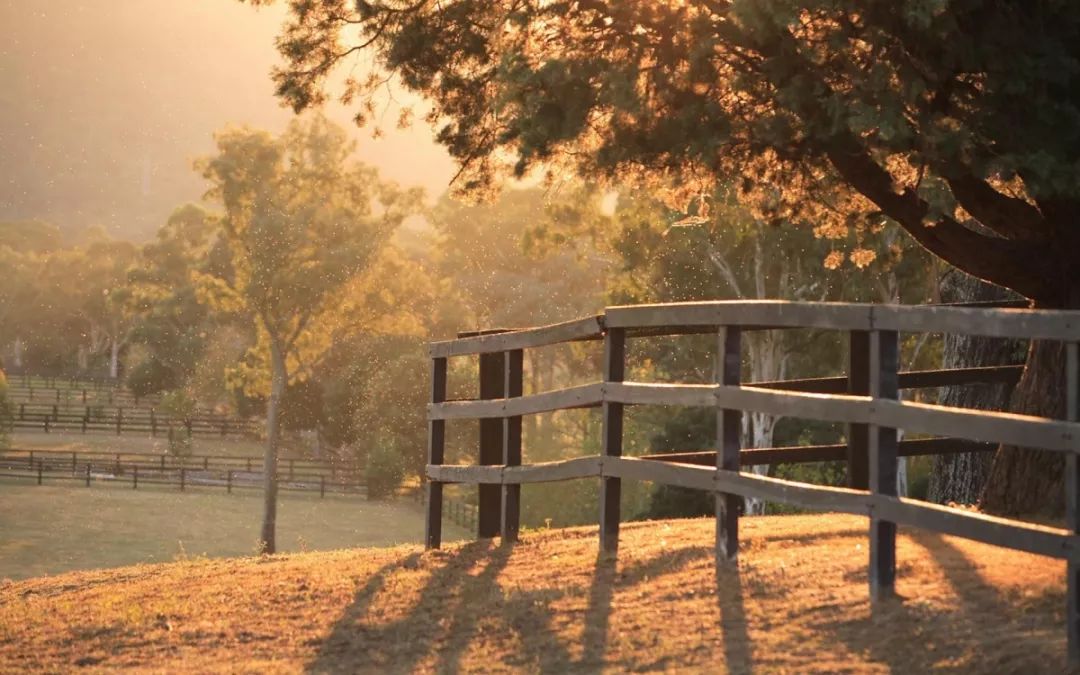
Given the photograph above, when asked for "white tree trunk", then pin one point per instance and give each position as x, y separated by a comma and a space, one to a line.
114, 359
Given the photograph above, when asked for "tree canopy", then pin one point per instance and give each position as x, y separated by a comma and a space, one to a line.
832, 113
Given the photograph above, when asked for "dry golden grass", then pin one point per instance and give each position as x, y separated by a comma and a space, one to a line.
796, 602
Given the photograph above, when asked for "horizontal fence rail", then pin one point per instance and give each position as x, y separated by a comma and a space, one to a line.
866, 399
213, 471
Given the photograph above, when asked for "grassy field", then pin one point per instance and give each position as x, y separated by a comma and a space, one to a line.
51, 529
796, 602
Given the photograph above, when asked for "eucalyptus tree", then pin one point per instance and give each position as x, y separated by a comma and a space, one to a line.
300, 220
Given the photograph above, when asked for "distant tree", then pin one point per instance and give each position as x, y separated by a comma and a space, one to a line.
169, 319
301, 220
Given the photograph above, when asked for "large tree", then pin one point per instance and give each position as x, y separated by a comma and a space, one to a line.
958, 121
302, 220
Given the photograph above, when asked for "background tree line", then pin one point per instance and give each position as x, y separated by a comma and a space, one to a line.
303, 290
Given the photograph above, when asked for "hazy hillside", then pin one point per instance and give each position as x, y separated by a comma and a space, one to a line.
104, 104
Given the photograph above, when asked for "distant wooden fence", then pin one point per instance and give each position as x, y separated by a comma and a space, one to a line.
866, 399
221, 471
54, 419
50, 404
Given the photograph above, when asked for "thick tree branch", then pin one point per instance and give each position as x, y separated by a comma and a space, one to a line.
1018, 265
1009, 217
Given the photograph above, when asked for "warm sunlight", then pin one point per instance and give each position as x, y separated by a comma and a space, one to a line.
392, 336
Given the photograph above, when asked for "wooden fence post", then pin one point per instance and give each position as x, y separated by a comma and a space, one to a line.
489, 497
183, 478
135, 477
436, 450
728, 429
1072, 503
228, 481
39, 472
858, 453
511, 444
611, 488
884, 384
87, 474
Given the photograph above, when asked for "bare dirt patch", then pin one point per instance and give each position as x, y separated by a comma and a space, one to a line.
797, 601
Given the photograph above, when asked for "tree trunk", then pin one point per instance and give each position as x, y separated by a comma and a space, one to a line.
1023, 481
114, 359
270, 460
960, 478
1026, 481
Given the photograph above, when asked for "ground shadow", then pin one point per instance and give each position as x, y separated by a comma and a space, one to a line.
738, 652
449, 614
911, 636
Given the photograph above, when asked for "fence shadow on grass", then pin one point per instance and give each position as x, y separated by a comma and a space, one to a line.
909, 636
462, 598
738, 652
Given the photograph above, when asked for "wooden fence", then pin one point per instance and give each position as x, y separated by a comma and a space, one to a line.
223, 471
119, 420
866, 399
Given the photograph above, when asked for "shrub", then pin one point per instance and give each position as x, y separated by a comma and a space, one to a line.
385, 471
180, 442
151, 377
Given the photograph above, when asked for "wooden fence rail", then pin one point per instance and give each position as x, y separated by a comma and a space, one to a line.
866, 399
127, 461
119, 421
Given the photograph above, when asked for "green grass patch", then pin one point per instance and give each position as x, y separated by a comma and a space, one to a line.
51, 529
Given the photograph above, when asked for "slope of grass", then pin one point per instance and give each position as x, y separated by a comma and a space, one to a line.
796, 602
50, 529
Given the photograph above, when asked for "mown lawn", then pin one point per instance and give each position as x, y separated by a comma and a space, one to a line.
51, 529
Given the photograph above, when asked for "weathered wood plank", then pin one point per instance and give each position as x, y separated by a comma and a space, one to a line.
588, 328
612, 439
741, 313
988, 322
581, 396
511, 445
817, 497
1038, 539
459, 473
681, 475
728, 433
436, 452
884, 384
800, 454
489, 497
547, 472
978, 425
858, 433
1072, 503
912, 379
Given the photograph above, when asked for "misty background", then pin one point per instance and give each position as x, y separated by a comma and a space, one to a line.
104, 105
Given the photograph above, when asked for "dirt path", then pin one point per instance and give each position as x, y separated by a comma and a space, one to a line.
796, 602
